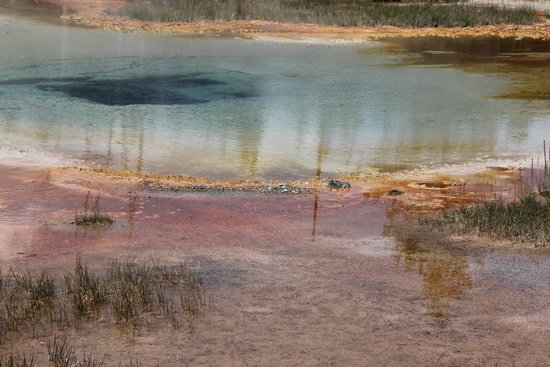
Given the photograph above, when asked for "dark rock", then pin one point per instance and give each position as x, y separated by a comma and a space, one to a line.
335, 184
395, 192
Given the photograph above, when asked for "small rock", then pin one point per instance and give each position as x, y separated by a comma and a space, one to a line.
335, 184
394, 192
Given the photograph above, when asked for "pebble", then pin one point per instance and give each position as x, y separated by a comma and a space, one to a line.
335, 184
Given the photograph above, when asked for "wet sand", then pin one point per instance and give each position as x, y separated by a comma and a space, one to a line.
308, 279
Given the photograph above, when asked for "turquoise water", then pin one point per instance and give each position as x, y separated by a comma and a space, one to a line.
231, 108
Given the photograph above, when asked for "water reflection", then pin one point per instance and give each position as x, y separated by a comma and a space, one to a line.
524, 62
444, 270
230, 108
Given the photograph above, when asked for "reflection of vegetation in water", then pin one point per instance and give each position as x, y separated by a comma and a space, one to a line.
444, 280
472, 49
531, 85
525, 61
444, 270
331, 12
248, 135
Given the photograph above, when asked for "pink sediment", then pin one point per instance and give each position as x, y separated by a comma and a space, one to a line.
294, 279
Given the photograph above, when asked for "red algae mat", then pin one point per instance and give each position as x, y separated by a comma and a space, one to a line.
309, 279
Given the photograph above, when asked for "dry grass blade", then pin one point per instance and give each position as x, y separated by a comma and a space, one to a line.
17, 360
60, 354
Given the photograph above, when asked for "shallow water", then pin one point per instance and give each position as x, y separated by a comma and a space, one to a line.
229, 108
298, 280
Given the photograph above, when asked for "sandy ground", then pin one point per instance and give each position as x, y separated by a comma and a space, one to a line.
312, 279
94, 14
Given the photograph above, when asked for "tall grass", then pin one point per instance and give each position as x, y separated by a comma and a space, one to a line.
132, 293
329, 12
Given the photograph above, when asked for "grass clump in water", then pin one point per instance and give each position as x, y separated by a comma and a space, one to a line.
88, 292
25, 300
60, 354
525, 220
149, 287
17, 360
129, 292
330, 12
93, 217
132, 293
133, 363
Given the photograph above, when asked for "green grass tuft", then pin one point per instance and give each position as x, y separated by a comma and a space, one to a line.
526, 219
148, 287
88, 291
25, 300
92, 218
